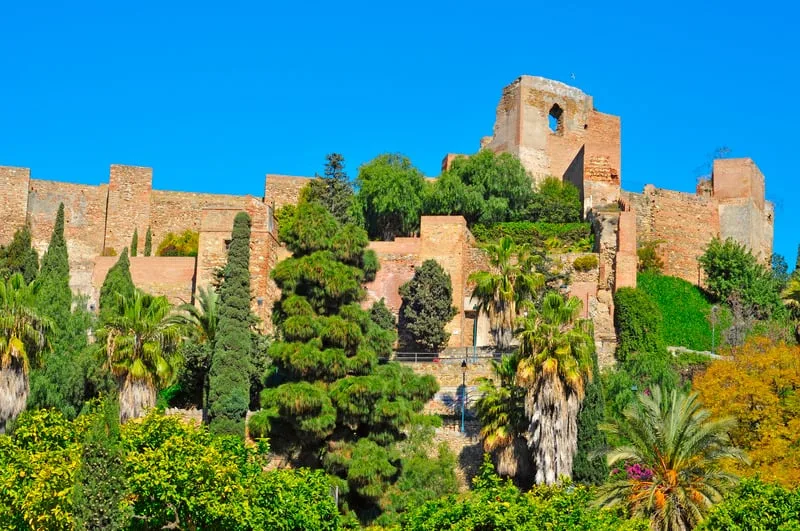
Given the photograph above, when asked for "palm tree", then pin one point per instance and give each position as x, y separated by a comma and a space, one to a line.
23, 334
501, 410
556, 360
140, 345
791, 299
200, 323
673, 455
499, 292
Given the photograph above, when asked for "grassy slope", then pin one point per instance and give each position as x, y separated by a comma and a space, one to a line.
685, 310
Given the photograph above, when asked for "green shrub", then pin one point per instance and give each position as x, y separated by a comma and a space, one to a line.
585, 263
686, 311
756, 505
649, 261
184, 244
638, 322
576, 237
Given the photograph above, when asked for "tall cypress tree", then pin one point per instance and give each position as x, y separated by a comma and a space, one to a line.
148, 242
135, 242
118, 282
61, 380
590, 465
231, 363
55, 296
100, 481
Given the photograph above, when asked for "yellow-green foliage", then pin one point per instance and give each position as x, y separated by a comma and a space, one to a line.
184, 244
585, 263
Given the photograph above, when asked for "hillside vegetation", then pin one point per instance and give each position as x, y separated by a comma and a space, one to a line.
685, 309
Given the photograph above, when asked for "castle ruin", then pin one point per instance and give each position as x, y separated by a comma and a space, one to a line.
553, 128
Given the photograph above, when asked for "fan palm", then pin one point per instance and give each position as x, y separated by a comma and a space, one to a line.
200, 322
674, 452
140, 345
23, 334
791, 299
501, 410
556, 360
499, 292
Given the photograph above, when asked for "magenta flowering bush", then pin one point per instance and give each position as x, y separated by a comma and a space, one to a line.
639, 472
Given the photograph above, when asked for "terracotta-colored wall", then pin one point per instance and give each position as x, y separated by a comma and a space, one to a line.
13, 200
627, 259
172, 277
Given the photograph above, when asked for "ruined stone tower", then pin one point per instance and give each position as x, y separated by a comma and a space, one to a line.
555, 130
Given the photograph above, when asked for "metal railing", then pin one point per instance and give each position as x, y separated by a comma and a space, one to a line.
469, 355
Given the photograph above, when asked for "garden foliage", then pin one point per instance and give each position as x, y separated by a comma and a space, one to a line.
427, 307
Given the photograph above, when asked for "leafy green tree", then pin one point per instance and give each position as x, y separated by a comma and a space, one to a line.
231, 363
731, 269
200, 325
673, 455
556, 349
183, 244
100, 487
24, 333
756, 505
484, 188
589, 466
335, 407
500, 291
148, 242
334, 191
390, 191
427, 306
19, 256
135, 242
556, 202
55, 296
118, 283
504, 427
139, 342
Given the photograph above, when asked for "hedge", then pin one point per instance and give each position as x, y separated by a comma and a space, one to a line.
572, 236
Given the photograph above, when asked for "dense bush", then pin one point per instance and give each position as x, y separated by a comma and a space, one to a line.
686, 311
638, 322
556, 201
19, 256
648, 259
178, 477
572, 236
183, 244
585, 263
756, 505
497, 504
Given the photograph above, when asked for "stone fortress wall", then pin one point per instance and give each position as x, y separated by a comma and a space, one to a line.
553, 128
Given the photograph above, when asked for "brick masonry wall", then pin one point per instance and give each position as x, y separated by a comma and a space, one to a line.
170, 276
84, 224
178, 211
280, 190
128, 204
13, 200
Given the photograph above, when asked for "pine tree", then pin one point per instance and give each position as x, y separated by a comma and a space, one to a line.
590, 464
231, 363
19, 256
427, 306
100, 482
118, 282
148, 242
334, 191
135, 242
337, 408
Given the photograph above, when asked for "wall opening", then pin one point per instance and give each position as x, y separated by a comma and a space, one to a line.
555, 119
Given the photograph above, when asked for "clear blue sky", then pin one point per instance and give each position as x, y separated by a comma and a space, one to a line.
214, 96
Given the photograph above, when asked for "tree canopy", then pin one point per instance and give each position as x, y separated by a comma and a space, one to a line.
427, 307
